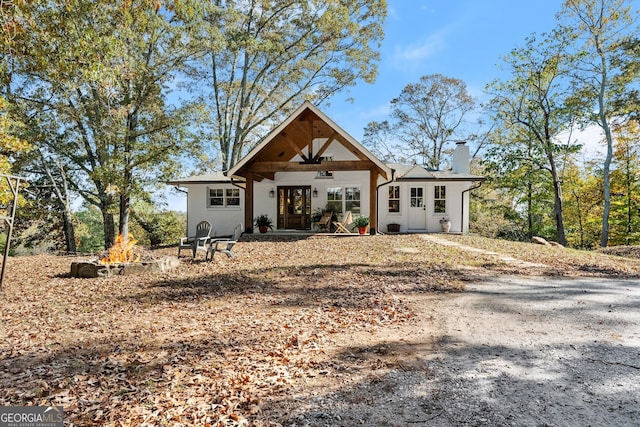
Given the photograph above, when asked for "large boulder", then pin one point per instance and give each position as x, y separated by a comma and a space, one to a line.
539, 241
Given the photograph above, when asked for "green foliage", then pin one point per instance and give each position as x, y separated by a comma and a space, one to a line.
105, 91
583, 204
625, 189
152, 227
89, 230
361, 221
603, 73
533, 109
263, 220
317, 214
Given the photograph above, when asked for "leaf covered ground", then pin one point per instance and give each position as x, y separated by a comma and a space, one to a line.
229, 342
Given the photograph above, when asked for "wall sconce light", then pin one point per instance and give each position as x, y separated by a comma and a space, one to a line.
272, 193
315, 192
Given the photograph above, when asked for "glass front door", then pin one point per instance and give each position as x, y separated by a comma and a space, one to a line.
294, 208
417, 209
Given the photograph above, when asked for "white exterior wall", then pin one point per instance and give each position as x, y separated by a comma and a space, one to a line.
431, 220
223, 219
264, 204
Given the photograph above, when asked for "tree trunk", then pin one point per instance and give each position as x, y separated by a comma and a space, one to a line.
557, 200
108, 223
529, 208
604, 240
125, 208
69, 232
61, 190
557, 207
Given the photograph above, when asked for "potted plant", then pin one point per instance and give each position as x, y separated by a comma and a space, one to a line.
263, 222
445, 224
362, 222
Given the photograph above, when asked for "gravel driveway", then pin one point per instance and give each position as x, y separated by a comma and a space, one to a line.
510, 351
538, 352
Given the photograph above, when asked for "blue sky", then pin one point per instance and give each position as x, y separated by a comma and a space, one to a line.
464, 39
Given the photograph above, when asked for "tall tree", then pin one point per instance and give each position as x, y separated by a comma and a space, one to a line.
379, 138
101, 71
535, 99
429, 114
425, 118
625, 185
515, 163
263, 58
582, 189
601, 78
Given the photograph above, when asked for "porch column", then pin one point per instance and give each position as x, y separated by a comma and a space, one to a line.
373, 201
248, 204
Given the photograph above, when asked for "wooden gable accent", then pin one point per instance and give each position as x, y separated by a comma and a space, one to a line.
296, 139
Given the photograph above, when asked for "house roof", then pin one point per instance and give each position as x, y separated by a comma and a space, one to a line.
295, 135
202, 179
420, 173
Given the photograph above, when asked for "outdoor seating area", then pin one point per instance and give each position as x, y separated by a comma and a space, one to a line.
197, 242
205, 238
208, 243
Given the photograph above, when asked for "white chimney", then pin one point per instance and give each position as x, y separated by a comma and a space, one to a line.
461, 158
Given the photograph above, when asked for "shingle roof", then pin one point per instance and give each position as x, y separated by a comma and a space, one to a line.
417, 172
201, 179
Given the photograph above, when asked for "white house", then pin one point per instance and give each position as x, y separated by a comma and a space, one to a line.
309, 164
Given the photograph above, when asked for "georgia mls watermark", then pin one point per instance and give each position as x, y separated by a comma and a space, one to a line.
31, 416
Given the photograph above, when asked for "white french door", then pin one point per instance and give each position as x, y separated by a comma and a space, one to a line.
417, 208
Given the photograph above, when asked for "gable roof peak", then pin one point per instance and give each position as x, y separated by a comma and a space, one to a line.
326, 122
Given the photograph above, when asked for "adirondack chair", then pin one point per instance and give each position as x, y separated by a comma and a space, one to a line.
325, 221
224, 245
341, 227
197, 242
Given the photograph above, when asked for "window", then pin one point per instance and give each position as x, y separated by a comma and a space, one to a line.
221, 197
417, 198
394, 198
233, 197
352, 200
342, 200
334, 199
439, 199
325, 174
216, 197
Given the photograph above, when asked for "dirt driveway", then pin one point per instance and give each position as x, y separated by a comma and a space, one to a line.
510, 351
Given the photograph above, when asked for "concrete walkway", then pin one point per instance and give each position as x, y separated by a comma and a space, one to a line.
434, 238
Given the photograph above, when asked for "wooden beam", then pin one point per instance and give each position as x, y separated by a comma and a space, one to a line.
373, 202
341, 165
325, 145
248, 203
294, 146
310, 130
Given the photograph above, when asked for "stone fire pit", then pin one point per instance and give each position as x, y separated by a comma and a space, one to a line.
96, 269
